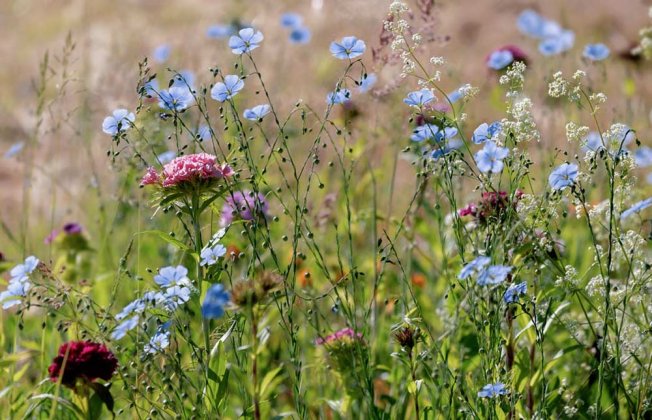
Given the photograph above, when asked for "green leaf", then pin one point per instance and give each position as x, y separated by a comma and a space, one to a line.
269, 380
104, 394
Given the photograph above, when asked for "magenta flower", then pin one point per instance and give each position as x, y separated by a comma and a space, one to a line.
150, 177
345, 333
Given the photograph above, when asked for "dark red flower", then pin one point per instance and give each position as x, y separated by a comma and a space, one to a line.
83, 360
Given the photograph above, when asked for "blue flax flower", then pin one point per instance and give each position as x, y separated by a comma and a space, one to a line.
14, 150
256, 113
493, 390
172, 276
486, 132
248, 39
159, 342
214, 302
490, 158
563, 176
219, 31
228, 89
446, 133
531, 23
338, 97
26, 268
120, 120
419, 98
184, 79
596, 52
166, 157
210, 255
135, 307
474, 267
445, 148
161, 53
348, 47
558, 43
126, 326
424, 132
176, 98
367, 83
643, 156
498, 60
300, 35
291, 20
514, 291
174, 297
637, 207
494, 274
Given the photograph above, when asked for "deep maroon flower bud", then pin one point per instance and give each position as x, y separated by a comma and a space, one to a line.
82, 360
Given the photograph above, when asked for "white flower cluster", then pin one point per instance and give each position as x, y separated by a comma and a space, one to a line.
576, 133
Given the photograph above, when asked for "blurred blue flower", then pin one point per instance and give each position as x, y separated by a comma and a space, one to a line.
424, 132
637, 207
166, 157
494, 274
500, 59
596, 52
592, 142
172, 276
557, 44
159, 342
175, 296
291, 20
256, 113
514, 291
349, 47
643, 156
300, 35
137, 306
176, 98
204, 133
474, 267
531, 23
445, 148
490, 158
248, 39
121, 120
419, 98
214, 302
210, 255
184, 79
563, 176
124, 327
161, 53
26, 268
455, 95
367, 83
227, 90
486, 132
446, 134
14, 150
492, 390
151, 88
338, 97
219, 31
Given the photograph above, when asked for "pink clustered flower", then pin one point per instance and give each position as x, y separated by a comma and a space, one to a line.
187, 168
492, 206
345, 333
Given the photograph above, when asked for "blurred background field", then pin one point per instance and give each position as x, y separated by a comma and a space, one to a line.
66, 65
110, 38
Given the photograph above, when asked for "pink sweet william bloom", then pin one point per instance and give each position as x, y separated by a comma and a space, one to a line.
151, 177
190, 168
345, 333
225, 170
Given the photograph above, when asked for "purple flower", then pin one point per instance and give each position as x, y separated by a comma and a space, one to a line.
244, 205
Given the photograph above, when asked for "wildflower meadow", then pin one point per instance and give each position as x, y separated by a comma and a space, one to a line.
327, 211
